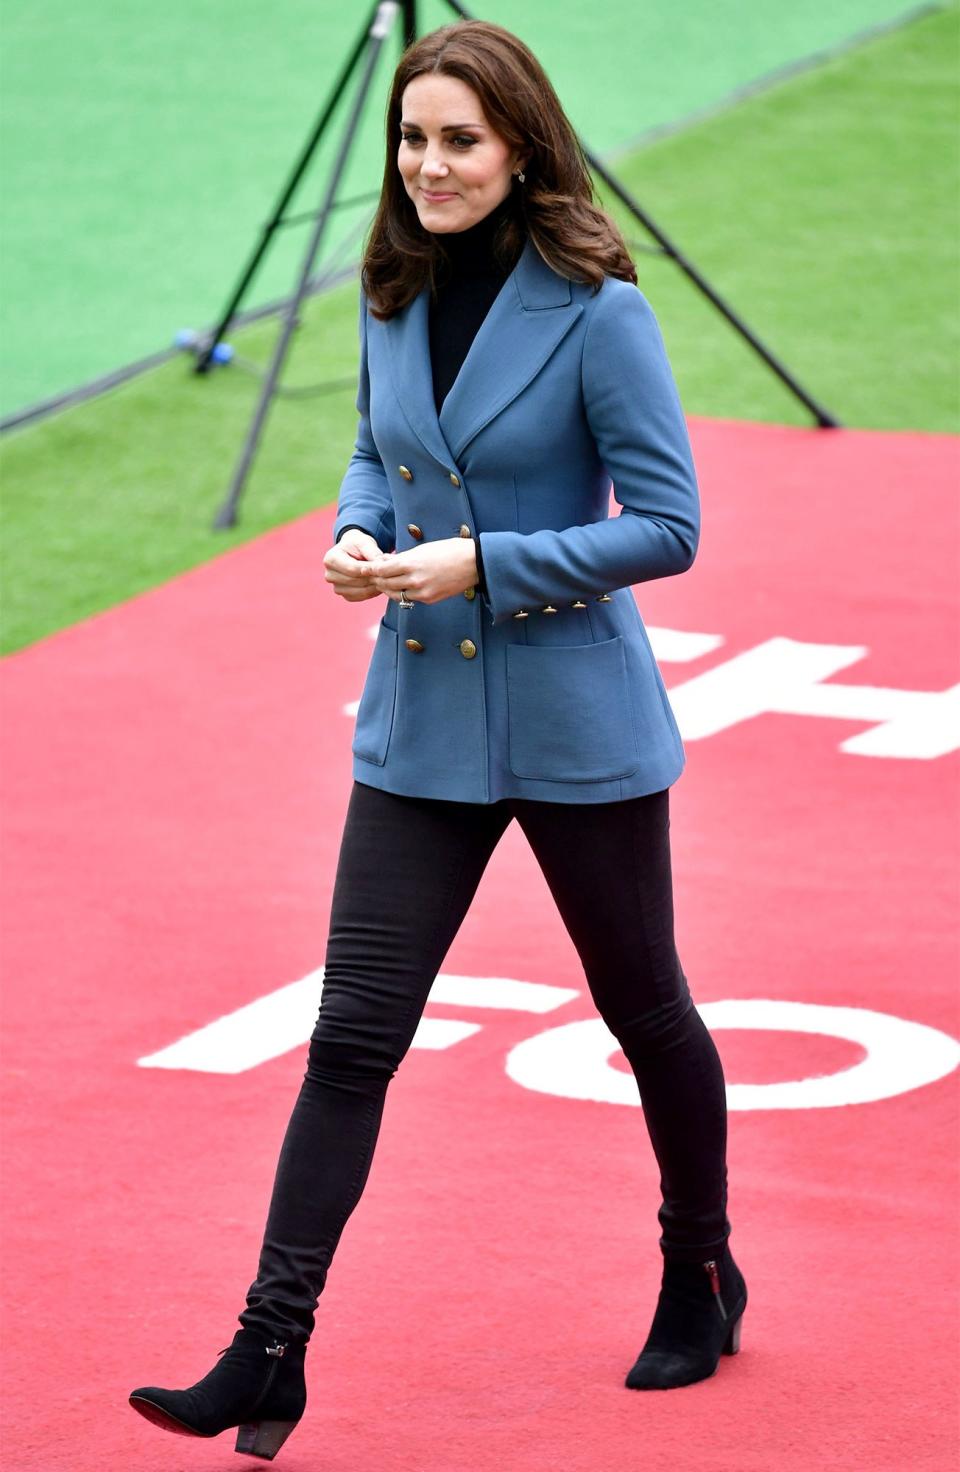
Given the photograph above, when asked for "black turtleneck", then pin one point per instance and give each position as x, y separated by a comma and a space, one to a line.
466, 290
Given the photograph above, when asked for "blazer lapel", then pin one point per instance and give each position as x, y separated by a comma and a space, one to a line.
532, 313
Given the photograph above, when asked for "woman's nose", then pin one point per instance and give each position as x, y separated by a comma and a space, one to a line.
434, 168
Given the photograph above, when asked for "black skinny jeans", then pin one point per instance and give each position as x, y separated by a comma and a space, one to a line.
407, 872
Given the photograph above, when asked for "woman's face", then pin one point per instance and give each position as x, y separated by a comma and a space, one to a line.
455, 168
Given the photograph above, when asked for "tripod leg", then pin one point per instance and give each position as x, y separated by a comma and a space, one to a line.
286, 194
379, 29
823, 417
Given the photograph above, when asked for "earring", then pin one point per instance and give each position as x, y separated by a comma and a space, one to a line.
521, 176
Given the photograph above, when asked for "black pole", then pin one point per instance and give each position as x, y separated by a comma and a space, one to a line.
286, 194
381, 23
823, 418
409, 22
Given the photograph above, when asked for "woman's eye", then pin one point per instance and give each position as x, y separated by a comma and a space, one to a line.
414, 138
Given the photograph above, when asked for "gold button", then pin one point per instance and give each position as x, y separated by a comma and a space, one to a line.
454, 479
548, 608
414, 645
578, 604
467, 648
414, 531
521, 613
470, 593
465, 531
407, 474
604, 598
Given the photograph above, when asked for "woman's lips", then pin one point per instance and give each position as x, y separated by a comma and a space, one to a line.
436, 198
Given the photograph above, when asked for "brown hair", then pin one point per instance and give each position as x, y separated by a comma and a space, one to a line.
554, 206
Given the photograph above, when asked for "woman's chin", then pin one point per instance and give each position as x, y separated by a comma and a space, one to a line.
437, 223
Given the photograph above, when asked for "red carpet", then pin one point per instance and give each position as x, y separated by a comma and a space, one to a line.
175, 778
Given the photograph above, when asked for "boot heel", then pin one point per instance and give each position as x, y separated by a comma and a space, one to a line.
263, 1438
732, 1345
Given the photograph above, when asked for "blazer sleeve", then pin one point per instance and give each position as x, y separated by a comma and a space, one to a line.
634, 413
364, 498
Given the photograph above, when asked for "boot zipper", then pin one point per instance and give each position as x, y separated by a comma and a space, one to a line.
277, 1351
711, 1268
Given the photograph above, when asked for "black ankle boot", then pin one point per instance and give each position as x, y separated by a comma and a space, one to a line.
697, 1319
258, 1386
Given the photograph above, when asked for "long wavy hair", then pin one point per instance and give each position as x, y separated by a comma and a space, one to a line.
554, 206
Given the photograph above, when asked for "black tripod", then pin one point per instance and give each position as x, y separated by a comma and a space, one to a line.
375, 31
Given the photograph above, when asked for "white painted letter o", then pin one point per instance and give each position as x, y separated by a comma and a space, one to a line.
573, 1061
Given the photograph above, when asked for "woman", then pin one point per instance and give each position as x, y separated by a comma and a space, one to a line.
509, 369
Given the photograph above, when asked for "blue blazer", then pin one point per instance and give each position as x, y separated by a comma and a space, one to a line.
546, 687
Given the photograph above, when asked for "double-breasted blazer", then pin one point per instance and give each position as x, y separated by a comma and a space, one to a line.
546, 686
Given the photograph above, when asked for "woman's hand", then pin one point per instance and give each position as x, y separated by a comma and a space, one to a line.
426, 573
343, 565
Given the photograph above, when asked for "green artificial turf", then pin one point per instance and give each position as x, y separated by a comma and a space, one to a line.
143, 146
120, 493
823, 210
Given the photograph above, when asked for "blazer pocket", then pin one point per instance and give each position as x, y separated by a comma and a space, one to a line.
371, 735
569, 712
